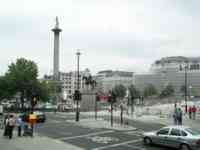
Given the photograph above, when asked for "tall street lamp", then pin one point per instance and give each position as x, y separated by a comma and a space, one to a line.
77, 92
186, 67
190, 92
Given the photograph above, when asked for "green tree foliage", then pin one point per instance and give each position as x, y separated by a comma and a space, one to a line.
23, 74
22, 77
135, 93
119, 90
167, 91
149, 90
53, 88
6, 91
43, 91
182, 89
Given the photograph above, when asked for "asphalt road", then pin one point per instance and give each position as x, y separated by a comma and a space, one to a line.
59, 127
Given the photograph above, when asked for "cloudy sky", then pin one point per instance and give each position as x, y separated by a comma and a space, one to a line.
111, 34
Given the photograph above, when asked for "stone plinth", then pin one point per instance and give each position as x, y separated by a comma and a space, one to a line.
88, 100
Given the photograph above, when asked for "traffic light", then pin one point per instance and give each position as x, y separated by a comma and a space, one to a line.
77, 95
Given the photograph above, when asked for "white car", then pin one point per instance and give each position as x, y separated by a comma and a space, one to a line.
181, 137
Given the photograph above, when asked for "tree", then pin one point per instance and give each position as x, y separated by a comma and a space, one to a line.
135, 93
119, 90
150, 90
6, 91
43, 92
22, 77
167, 91
182, 89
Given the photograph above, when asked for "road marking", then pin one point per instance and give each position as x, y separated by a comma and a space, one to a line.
137, 147
136, 133
119, 144
86, 135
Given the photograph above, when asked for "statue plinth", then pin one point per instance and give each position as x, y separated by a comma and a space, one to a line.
88, 100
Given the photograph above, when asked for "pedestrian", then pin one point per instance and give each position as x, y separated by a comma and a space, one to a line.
179, 116
6, 118
194, 109
190, 112
19, 124
11, 125
175, 114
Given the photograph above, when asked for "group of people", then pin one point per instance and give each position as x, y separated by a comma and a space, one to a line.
192, 112
178, 114
10, 122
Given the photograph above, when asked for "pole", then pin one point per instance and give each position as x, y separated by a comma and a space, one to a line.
77, 101
111, 114
132, 99
121, 114
96, 109
185, 89
32, 112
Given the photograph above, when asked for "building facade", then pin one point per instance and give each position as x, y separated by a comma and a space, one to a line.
177, 71
69, 82
107, 79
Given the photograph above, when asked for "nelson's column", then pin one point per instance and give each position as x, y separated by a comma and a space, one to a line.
56, 31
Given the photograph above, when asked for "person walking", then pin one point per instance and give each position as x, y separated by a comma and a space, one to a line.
194, 110
19, 124
179, 116
175, 114
11, 125
6, 118
190, 112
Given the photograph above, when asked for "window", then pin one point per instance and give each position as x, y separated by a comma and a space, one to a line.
183, 133
193, 131
175, 132
163, 131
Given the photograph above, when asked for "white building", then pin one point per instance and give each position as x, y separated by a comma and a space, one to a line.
176, 71
107, 79
69, 82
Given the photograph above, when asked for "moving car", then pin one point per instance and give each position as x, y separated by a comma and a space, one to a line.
41, 117
181, 137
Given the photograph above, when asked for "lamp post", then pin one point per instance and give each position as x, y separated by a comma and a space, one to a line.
190, 87
78, 92
186, 67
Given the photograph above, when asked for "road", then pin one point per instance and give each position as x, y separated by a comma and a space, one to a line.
62, 127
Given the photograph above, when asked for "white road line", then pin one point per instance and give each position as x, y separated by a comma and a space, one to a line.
119, 144
85, 135
137, 147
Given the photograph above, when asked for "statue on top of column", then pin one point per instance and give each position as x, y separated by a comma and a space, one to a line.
57, 23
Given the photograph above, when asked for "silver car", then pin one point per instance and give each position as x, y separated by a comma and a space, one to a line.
181, 137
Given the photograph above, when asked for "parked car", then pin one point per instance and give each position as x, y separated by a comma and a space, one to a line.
181, 137
41, 117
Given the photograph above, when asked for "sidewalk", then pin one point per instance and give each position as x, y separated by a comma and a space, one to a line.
33, 143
